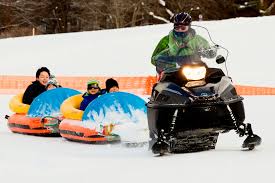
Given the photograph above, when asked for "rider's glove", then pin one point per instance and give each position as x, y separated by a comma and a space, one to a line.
209, 53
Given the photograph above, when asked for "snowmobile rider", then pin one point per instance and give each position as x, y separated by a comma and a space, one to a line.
182, 41
38, 86
111, 86
93, 91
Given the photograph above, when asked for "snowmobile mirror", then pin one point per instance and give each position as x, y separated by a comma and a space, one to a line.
220, 59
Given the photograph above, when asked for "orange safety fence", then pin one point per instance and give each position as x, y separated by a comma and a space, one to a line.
140, 85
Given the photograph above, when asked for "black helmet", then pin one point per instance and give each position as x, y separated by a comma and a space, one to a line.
182, 19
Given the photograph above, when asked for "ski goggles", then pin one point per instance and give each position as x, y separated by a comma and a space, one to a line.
93, 86
181, 27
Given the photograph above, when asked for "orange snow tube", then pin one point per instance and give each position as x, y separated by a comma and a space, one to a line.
73, 128
19, 122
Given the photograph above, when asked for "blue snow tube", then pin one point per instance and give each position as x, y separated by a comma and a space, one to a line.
48, 103
116, 107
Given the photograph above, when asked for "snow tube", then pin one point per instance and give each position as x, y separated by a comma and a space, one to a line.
16, 105
72, 127
70, 107
21, 123
33, 119
101, 116
75, 130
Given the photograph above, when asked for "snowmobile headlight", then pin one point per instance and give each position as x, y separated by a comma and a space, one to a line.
194, 72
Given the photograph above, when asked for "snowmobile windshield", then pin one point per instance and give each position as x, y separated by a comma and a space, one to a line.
200, 48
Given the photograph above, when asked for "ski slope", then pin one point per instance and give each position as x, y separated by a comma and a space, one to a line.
126, 52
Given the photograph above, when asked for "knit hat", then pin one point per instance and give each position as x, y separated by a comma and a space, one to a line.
110, 83
52, 81
92, 84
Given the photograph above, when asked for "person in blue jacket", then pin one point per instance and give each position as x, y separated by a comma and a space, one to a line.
93, 91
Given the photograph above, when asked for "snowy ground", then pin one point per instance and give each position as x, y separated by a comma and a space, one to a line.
38, 159
28, 159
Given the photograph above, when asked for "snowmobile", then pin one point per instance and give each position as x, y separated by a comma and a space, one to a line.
193, 102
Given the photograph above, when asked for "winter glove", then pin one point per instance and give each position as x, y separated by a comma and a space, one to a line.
209, 53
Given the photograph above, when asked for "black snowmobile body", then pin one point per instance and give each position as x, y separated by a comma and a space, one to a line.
197, 112
186, 115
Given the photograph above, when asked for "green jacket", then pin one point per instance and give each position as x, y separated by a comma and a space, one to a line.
171, 45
